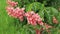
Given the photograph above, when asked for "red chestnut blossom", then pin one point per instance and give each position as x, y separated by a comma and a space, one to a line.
20, 13
38, 31
17, 12
47, 26
55, 20
33, 18
40, 22
10, 10
12, 3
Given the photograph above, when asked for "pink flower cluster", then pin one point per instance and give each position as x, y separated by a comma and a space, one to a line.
12, 3
33, 18
17, 12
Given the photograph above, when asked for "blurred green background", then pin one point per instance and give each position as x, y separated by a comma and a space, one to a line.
6, 22
7, 25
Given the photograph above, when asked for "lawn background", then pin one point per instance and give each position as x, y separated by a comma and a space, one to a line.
6, 22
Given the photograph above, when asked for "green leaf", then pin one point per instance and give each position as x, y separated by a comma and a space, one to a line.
41, 13
54, 11
27, 30
49, 13
55, 31
47, 16
44, 32
59, 17
36, 6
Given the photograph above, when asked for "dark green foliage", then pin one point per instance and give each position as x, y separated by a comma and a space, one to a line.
50, 12
36, 6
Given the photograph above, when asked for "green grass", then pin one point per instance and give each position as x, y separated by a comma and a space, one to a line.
6, 22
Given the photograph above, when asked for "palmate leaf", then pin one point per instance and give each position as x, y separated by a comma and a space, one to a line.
49, 13
41, 12
54, 12
47, 17
36, 6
